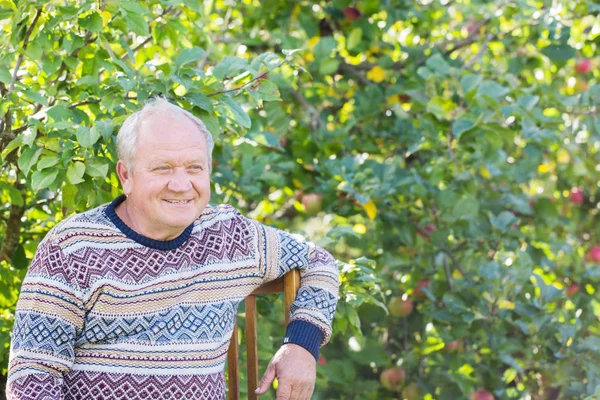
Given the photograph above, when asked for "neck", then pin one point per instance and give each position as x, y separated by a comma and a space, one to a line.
127, 213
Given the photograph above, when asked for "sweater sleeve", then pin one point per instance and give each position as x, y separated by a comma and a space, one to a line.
48, 318
314, 307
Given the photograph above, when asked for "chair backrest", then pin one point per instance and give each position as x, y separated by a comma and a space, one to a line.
289, 285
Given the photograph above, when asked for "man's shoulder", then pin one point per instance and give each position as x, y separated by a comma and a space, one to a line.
87, 222
220, 211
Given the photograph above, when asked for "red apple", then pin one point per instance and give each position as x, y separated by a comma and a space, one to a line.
418, 293
577, 196
392, 378
322, 360
351, 13
572, 290
312, 202
584, 66
399, 307
594, 254
430, 228
481, 395
455, 346
472, 27
283, 142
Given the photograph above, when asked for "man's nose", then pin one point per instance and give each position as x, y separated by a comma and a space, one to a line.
180, 181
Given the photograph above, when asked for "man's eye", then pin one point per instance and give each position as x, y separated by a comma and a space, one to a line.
162, 168
196, 168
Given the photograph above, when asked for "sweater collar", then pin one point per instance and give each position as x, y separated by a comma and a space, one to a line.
139, 238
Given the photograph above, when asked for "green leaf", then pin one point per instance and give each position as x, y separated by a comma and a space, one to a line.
230, 66
35, 96
470, 82
559, 52
200, 100
106, 127
88, 136
5, 13
324, 48
5, 76
187, 56
241, 116
266, 91
28, 158
137, 23
15, 143
354, 38
75, 172
465, 208
92, 22
96, 169
503, 220
328, 67
16, 196
43, 179
407, 234
461, 126
437, 64
59, 113
441, 107
492, 89
47, 162
212, 124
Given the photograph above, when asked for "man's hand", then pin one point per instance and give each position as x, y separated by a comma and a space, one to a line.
296, 373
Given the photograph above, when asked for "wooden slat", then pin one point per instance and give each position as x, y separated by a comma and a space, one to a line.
251, 346
291, 283
275, 286
232, 365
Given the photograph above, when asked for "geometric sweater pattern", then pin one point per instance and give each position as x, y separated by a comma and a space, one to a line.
106, 313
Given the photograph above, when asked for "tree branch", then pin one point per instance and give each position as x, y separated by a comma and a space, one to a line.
11, 86
315, 120
13, 229
249, 83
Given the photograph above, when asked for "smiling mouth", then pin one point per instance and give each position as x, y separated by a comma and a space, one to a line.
178, 201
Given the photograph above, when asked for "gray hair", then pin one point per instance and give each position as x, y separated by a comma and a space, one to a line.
127, 136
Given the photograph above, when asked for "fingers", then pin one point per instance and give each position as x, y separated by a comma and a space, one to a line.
284, 390
287, 391
266, 380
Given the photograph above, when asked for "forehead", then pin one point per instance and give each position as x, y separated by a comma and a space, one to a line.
170, 131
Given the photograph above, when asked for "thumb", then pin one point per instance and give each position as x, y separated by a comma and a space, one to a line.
266, 380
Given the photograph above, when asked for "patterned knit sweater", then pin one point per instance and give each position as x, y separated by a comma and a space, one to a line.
106, 313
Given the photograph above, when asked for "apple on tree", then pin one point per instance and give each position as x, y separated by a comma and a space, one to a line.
393, 378
577, 196
399, 307
593, 254
572, 290
418, 293
412, 391
481, 395
351, 13
312, 202
583, 67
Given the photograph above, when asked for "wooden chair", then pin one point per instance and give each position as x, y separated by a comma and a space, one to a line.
289, 285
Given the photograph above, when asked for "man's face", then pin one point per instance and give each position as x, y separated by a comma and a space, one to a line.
168, 185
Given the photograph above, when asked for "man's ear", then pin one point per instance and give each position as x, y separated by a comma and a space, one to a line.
125, 177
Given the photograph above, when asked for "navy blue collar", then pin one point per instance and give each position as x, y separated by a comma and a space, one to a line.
141, 239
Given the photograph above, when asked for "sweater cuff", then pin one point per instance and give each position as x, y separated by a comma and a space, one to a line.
304, 334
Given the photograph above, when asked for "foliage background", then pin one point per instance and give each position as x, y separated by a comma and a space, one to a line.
444, 138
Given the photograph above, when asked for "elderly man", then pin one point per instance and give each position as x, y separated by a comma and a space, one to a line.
137, 299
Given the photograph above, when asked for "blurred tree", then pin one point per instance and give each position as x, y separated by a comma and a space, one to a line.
445, 151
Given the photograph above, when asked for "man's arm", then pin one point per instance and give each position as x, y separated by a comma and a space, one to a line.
49, 315
311, 313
